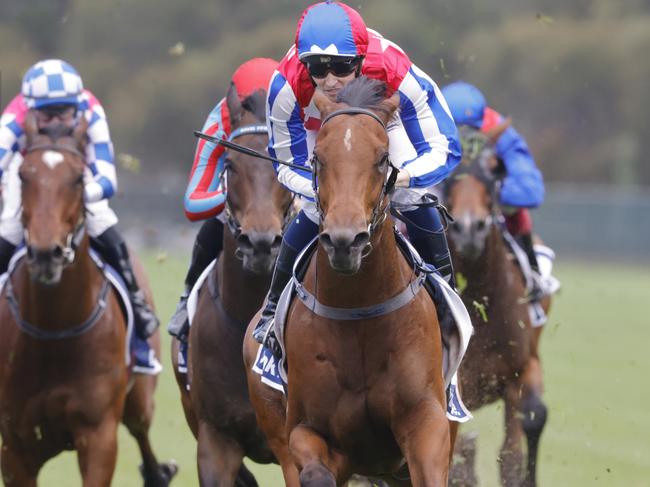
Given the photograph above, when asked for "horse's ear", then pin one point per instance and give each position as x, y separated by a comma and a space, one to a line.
79, 132
388, 107
323, 103
30, 126
495, 132
234, 105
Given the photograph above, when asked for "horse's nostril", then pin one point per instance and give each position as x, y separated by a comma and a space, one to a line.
480, 225
326, 240
361, 239
455, 227
244, 241
57, 252
277, 241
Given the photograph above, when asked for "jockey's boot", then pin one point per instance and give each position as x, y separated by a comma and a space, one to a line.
298, 234
207, 246
281, 274
113, 249
526, 242
427, 235
7, 250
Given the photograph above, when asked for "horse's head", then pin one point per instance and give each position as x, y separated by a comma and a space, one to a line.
351, 167
257, 206
52, 175
471, 193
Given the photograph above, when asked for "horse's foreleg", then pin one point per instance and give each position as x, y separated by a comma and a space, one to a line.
319, 466
219, 458
533, 409
424, 437
534, 414
138, 414
97, 452
511, 456
15, 470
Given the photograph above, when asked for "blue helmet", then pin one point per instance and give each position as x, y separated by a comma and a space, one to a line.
466, 102
332, 29
51, 82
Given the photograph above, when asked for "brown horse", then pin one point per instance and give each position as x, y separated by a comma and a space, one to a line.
502, 361
365, 395
63, 371
217, 406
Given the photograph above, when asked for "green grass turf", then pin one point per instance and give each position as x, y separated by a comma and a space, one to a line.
597, 389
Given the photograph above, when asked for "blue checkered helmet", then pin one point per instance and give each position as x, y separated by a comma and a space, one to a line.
51, 82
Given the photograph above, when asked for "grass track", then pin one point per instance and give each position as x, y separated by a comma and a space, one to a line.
597, 389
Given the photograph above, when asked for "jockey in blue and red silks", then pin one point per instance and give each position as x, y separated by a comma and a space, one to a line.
54, 90
332, 47
523, 185
205, 196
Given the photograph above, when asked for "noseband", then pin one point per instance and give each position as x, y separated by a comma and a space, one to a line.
379, 211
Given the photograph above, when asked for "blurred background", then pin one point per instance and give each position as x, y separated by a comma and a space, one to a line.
574, 76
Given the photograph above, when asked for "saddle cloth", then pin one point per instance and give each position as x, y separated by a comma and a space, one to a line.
273, 370
192, 302
549, 284
137, 352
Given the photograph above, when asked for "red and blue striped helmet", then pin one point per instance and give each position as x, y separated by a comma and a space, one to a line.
51, 82
331, 28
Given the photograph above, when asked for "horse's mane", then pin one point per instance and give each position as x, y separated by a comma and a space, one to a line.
57, 131
255, 103
364, 92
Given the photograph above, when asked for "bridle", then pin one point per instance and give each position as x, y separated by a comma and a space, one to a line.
231, 219
72, 239
380, 209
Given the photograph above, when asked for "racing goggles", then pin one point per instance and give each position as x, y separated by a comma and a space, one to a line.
319, 66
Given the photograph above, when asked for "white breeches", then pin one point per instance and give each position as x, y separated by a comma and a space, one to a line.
99, 216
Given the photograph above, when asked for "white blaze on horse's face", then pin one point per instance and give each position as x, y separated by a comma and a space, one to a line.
347, 139
52, 158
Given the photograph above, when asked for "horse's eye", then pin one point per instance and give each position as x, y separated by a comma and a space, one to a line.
79, 181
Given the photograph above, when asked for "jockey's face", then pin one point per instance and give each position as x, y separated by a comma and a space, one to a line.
55, 114
332, 84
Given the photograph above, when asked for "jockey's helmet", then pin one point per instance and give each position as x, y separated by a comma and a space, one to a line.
466, 103
51, 82
331, 33
253, 75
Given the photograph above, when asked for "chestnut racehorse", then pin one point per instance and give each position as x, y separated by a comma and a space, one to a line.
63, 369
502, 361
217, 406
365, 395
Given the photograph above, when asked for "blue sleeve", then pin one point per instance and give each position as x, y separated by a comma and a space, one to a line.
523, 185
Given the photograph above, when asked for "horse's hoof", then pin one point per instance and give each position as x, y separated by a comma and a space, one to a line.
162, 477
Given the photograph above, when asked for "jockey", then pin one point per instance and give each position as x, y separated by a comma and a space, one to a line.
523, 186
332, 47
54, 90
205, 196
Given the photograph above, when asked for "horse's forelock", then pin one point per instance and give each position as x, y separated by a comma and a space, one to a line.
363, 92
255, 103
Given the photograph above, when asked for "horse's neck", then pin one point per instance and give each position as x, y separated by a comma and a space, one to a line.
241, 291
486, 274
65, 304
383, 274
